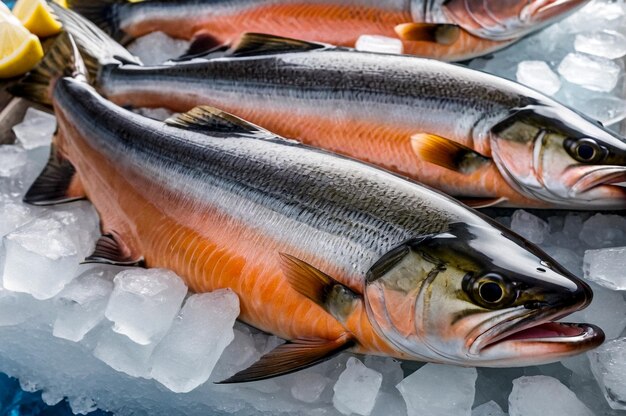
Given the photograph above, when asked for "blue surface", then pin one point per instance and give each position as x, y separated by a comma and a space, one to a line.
16, 402
9, 3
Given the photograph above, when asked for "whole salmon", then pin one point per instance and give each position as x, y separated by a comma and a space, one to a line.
326, 252
475, 136
450, 30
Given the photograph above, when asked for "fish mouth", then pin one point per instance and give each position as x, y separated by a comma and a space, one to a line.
536, 338
611, 176
549, 10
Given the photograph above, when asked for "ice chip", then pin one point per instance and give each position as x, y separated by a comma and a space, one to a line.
544, 396
538, 75
379, 44
51, 397
82, 405
309, 386
144, 303
533, 228
608, 364
13, 215
12, 160
356, 389
490, 408
605, 43
606, 267
122, 354
439, 390
604, 230
608, 109
592, 72
240, 354
36, 129
390, 368
185, 358
40, 258
82, 304
157, 48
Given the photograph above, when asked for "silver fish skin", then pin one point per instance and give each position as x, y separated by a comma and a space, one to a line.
370, 105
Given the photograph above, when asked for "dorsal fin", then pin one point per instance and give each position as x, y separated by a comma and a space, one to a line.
253, 44
209, 119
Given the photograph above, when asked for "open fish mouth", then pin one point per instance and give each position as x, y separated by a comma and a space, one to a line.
537, 333
614, 176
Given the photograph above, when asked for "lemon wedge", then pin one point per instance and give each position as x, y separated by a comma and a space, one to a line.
37, 17
20, 50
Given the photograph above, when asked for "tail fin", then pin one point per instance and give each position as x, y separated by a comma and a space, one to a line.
95, 46
104, 13
61, 60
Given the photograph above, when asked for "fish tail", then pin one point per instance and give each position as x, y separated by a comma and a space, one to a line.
104, 13
61, 60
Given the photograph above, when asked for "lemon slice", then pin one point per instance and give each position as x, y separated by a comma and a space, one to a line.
20, 50
36, 16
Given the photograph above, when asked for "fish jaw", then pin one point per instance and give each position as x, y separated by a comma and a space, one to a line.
600, 187
532, 336
508, 19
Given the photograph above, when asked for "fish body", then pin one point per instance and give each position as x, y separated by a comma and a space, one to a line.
409, 115
483, 25
324, 251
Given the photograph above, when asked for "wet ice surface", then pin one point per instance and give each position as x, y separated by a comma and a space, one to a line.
585, 53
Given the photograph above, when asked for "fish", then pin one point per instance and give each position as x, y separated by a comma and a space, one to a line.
482, 139
324, 251
452, 30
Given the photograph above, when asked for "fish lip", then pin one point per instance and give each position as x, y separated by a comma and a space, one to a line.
503, 331
603, 176
541, 13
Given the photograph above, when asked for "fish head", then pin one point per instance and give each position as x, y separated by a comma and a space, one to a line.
502, 20
477, 295
560, 157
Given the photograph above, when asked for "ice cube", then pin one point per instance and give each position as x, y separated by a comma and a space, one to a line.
390, 368
592, 72
240, 354
538, 75
122, 354
309, 386
12, 160
51, 397
604, 230
490, 408
379, 44
82, 303
544, 396
16, 308
389, 404
606, 43
439, 390
606, 267
529, 226
144, 303
356, 389
82, 405
157, 47
13, 215
608, 364
185, 358
578, 364
608, 109
40, 258
36, 129
607, 310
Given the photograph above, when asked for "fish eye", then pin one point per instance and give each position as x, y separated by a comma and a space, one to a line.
489, 290
585, 150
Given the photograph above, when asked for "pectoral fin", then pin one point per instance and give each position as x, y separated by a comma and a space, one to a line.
111, 250
290, 357
57, 184
337, 299
444, 34
447, 153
